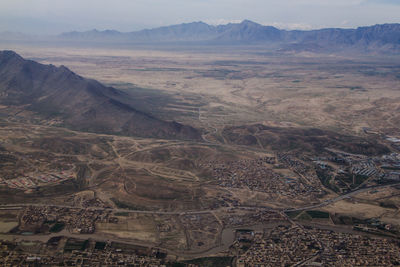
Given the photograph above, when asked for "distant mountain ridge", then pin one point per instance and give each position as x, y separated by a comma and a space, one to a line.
82, 104
386, 36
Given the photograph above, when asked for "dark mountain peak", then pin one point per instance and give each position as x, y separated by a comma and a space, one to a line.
248, 32
194, 23
83, 104
111, 32
11, 62
386, 26
8, 55
189, 26
249, 23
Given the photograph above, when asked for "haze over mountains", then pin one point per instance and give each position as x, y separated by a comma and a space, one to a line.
385, 37
377, 38
56, 93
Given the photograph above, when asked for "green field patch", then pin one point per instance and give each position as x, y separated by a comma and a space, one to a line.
244, 230
304, 216
359, 179
75, 244
100, 245
212, 262
122, 214
388, 205
57, 227
316, 214
355, 88
124, 205
292, 214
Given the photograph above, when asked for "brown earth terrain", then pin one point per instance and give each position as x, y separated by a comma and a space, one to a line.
271, 139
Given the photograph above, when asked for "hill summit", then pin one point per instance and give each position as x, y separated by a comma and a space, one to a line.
83, 104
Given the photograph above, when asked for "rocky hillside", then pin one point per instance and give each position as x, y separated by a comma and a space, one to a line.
83, 104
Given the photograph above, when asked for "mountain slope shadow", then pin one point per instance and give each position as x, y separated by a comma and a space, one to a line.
81, 104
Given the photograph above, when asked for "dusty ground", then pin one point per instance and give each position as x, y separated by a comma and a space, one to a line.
237, 87
211, 91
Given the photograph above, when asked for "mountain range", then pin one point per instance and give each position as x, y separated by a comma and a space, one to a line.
57, 93
384, 37
378, 38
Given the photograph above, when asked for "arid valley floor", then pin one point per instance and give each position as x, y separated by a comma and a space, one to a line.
299, 163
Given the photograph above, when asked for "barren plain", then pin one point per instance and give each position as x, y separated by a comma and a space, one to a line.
287, 139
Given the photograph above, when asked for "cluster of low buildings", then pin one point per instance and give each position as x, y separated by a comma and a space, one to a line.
241, 217
256, 175
11, 254
365, 168
347, 171
76, 220
343, 249
303, 170
282, 246
294, 164
392, 176
395, 142
309, 246
83, 221
391, 166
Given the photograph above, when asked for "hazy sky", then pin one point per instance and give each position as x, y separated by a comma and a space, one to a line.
56, 16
